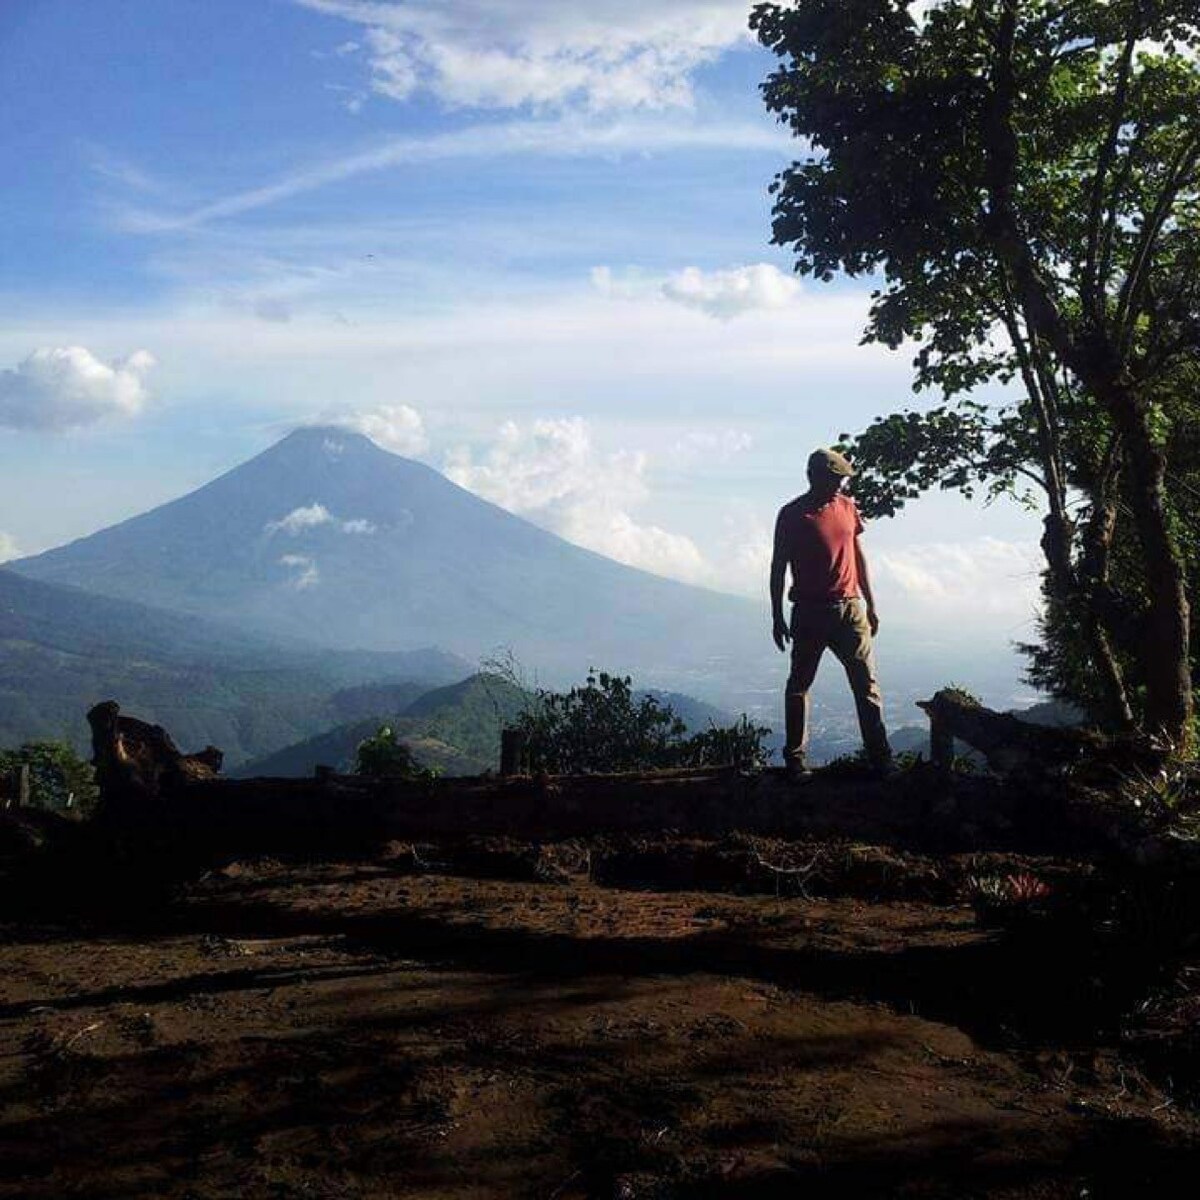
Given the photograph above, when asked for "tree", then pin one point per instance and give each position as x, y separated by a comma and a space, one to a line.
1023, 176
58, 777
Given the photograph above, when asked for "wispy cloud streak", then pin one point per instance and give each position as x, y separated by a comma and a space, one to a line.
548, 139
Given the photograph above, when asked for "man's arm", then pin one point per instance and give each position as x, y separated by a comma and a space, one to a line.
864, 582
779, 563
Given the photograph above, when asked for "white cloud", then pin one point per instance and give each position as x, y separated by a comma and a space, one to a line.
615, 534
303, 571
67, 387
8, 547
595, 54
729, 293
552, 473
313, 516
987, 577
733, 292
300, 520
395, 427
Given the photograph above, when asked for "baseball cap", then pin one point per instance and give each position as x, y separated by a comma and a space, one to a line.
829, 462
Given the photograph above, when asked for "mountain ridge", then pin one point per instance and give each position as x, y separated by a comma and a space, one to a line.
63, 649
328, 539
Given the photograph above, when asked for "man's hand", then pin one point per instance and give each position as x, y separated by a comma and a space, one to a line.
781, 633
873, 621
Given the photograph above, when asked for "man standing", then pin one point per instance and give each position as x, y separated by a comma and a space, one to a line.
817, 536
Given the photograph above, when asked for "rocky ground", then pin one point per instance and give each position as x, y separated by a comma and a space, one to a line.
643, 1019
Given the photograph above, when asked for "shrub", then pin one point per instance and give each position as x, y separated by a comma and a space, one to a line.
604, 726
741, 745
383, 754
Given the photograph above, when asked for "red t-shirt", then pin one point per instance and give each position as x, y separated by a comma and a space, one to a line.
819, 546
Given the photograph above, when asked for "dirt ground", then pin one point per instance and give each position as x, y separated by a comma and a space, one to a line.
367, 1030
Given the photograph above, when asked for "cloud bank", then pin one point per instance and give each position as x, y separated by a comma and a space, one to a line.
600, 55
395, 427
993, 579
67, 387
552, 473
8, 548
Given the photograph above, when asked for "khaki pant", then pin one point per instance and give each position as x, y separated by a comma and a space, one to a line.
840, 625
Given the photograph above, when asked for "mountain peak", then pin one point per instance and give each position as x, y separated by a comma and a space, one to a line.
326, 451
330, 440
329, 538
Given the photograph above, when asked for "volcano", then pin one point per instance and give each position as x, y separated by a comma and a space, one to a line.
327, 538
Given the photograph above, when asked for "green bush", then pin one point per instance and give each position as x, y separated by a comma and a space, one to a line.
383, 754
604, 726
58, 777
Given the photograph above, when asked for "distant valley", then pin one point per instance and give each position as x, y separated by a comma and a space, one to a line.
62, 650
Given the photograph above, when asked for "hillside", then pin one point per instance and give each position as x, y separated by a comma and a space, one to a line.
328, 538
63, 649
455, 729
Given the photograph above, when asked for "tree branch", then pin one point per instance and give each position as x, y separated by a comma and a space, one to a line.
1048, 443
1114, 205
1000, 148
1129, 303
1090, 289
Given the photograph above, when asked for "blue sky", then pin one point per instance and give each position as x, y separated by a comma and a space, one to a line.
527, 243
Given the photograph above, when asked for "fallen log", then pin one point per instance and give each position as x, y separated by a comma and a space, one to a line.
1010, 745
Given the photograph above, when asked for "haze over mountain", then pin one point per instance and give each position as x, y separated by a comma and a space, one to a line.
63, 649
455, 729
328, 538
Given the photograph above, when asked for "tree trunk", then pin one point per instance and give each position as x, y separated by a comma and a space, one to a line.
1169, 704
1117, 713
1078, 595
1093, 582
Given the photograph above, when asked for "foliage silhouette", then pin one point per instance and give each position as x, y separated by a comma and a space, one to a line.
1023, 177
605, 726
